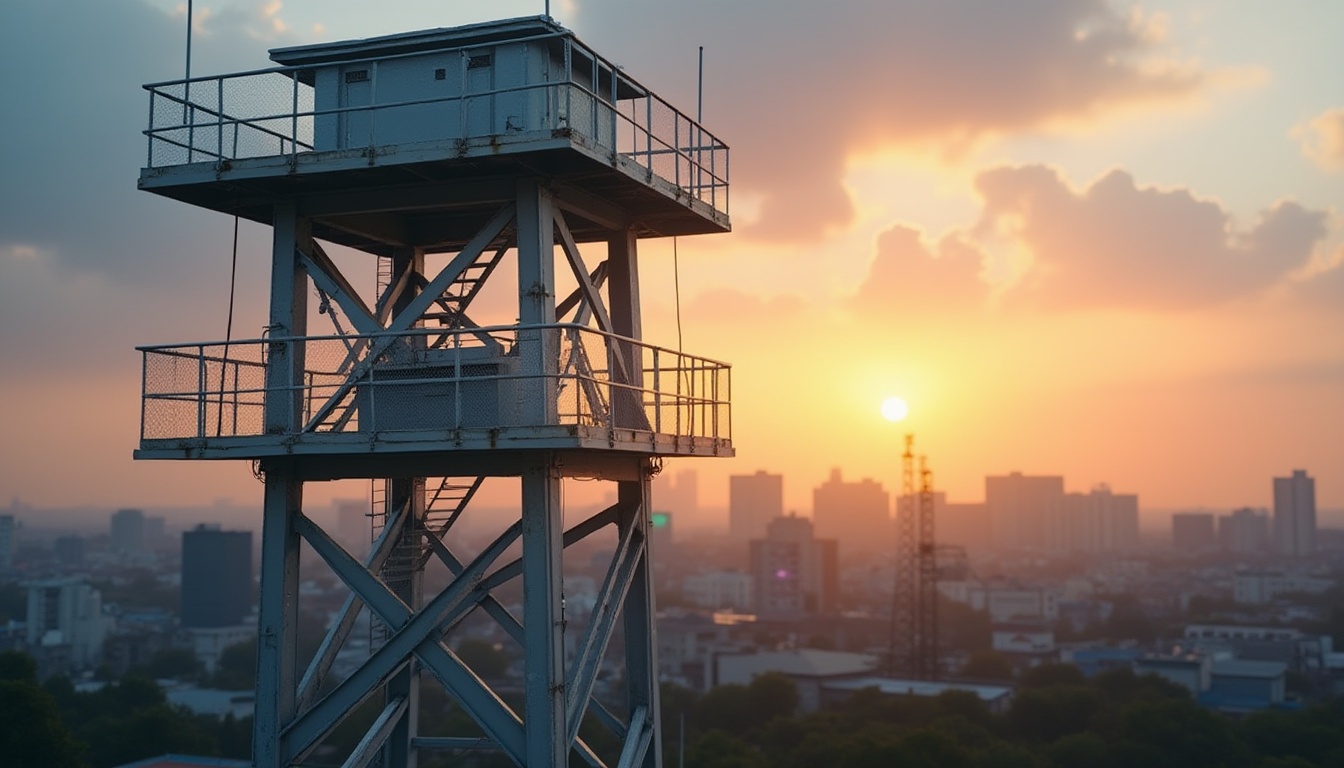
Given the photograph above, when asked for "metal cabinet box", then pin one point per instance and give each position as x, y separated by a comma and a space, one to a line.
474, 391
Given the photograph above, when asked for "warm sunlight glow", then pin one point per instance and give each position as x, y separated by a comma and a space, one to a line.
894, 409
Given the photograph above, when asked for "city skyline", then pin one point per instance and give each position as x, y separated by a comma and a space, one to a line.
1119, 277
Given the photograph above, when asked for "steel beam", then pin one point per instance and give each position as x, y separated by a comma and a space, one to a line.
417, 634
377, 735
416, 307
340, 628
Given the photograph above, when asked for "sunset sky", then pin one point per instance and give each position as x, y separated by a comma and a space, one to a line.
1089, 238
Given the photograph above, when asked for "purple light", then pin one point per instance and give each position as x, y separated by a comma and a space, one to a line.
781, 574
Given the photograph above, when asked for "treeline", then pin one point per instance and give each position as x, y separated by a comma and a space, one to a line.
1057, 719
51, 725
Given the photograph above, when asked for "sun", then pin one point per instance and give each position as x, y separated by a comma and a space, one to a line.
894, 409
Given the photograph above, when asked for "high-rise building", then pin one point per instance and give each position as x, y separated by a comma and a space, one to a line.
217, 588
963, 524
753, 502
67, 612
794, 572
677, 493
6, 542
154, 536
128, 531
1117, 517
69, 550
1244, 532
1295, 514
857, 515
1192, 533
1025, 512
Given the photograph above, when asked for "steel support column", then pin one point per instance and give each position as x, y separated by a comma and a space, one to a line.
538, 350
402, 572
643, 737
277, 638
277, 672
543, 617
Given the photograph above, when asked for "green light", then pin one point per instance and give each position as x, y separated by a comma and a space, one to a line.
661, 519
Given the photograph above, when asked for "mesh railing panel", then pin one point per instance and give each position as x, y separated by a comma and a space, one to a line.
373, 384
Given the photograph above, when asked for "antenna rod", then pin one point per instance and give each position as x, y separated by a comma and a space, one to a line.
700, 90
186, 81
189, 8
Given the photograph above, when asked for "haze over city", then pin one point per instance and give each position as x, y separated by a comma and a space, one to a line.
1097, 240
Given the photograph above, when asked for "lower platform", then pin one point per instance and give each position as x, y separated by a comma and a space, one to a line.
324, 455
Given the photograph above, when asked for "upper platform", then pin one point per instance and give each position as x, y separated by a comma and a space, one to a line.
414, 139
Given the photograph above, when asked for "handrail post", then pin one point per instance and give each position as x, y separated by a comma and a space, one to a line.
657, 395
200, 391
189, 114
149, 134
676, 153
144, 386
293, 121
219, 130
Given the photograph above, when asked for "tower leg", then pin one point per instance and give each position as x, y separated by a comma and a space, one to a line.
405, 581
641, 649
277, 646
543, 617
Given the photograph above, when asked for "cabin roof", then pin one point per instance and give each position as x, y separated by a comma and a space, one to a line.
485, 33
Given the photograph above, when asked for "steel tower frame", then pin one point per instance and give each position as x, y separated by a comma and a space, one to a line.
293, 713
535, 189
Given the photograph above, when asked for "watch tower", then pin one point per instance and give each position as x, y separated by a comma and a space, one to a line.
469, 147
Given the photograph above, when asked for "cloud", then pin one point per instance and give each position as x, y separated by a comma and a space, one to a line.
1039, 241
797, 87
1322, 139
908, 274
730, 305
88, 264
1117, 244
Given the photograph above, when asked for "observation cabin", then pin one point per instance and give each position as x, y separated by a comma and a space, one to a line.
509, 142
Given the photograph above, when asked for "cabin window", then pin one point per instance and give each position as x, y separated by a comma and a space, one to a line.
479, 61
357, 76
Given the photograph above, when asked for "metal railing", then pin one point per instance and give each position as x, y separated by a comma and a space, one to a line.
431, 380
274, 112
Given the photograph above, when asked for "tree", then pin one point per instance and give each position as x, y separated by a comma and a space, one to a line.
726, 708
987, 665
1178, 734
717, 749
18, 667
236, 669
1052, 675
173, 663
772, 695
1081, 750
1046, 714
31, 732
